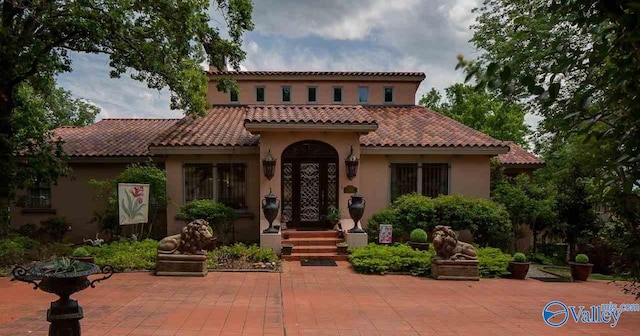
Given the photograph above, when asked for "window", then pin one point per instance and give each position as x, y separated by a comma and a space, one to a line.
223, 182
311, 94
39, 196
337, 94
435, 179
286, 94
363, 94
260, 94
405, 177
233, 97
388, 95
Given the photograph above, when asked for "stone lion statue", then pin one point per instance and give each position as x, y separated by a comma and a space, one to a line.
193, 239
449, 248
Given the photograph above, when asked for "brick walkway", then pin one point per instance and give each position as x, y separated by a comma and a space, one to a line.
313, 301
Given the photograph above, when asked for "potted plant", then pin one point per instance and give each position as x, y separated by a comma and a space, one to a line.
285, 235
333, 215
581, 268
342, 248
82, 254
418, 240
286, 249
519, 266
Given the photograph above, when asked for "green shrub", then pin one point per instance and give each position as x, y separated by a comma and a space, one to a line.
519, 257
488, 221
418, 236
582, 258
492, 262
219, 216
125, 254
240, 256
16, 250
381, 259
81, 252
28, 230
55, 227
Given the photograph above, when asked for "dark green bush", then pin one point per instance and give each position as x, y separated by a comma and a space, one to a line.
488, 221
80, 252
519, 257
418, 236
16, 250
219, 216
381, 259
582, 259
126, 254
55, 228
492, 262
28, 230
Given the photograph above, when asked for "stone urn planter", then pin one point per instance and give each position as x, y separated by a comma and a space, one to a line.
286, 249
62, 277
342, 248
518, 266
581, 268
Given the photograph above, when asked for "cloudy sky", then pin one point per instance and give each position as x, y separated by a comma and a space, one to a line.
338, 35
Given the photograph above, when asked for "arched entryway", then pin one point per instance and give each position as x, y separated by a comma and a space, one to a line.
309, 184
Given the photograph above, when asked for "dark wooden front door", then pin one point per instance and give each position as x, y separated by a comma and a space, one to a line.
309, 184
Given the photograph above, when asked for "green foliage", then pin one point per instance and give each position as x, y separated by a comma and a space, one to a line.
126, 254
219, 216
487, 221
418, 236
582, 258
55, 227
80, 252
519, 257
381, 259
28, 230
492, 262
240, 256
65, 265
486, 112
106, 195
15, 250
333, 214
342, 244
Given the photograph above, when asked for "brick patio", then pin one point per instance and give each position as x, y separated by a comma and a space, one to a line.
313, 301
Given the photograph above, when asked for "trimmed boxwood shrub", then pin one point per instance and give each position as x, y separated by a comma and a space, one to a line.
381, 259
418, 236
519, 257
582, 259
492, 262
488, 221
126, 254
219, 216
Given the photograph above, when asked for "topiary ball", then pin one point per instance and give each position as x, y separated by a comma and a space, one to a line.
418, 236
582, 259
519, 257
80, 252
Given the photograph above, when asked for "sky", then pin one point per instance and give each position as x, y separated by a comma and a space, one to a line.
331, 35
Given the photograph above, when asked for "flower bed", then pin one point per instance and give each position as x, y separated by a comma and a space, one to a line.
242, 257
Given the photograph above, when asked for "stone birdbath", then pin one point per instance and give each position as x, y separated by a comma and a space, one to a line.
62, 277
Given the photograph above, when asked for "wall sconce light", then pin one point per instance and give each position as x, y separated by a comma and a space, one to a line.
269, 165
352, 164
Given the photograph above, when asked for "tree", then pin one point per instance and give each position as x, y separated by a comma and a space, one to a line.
486, 112
577, 61
159, 42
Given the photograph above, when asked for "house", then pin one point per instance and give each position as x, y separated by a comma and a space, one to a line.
310, 123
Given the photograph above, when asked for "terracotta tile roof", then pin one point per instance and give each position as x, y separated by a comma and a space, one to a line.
112, 137
417, 126
519, 156
318, 73
338, 114
222, 126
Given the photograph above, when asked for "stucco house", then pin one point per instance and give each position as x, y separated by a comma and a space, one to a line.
309, 122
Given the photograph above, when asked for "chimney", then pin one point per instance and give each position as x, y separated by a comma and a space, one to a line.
222, 67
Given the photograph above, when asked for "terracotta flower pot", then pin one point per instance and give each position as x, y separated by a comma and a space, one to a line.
580, 271
419, 246
518, 270
343, 250
87, 259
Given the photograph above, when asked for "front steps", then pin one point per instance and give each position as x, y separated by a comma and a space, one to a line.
313, 245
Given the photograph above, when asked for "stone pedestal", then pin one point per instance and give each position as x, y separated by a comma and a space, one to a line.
181, 264
272, 241
455, 270
356, 239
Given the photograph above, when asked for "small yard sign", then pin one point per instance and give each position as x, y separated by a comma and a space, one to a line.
385, 233
133, 203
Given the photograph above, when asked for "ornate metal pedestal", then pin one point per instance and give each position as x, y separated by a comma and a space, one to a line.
65, 313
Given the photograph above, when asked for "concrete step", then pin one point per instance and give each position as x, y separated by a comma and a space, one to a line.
312, 256
311, 234
313, 241
315, 249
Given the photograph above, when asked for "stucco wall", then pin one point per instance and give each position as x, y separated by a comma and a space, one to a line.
404, 92
246, 227
72, 198
469, 176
